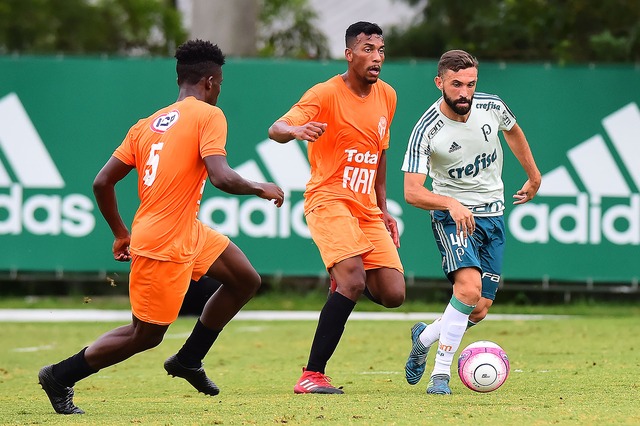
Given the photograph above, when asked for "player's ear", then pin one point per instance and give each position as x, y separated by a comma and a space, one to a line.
348, 54
438, 81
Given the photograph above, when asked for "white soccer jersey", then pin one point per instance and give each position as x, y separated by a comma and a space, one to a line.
464, 160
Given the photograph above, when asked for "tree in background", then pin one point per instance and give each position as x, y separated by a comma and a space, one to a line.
571, 31
143, 27
123, 27
287, 29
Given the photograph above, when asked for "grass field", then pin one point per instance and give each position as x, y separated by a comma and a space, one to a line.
582, 370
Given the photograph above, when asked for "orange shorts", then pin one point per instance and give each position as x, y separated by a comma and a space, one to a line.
339, 235
157, 287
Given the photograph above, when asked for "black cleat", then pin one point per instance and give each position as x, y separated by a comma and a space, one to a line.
60, 396
195, 376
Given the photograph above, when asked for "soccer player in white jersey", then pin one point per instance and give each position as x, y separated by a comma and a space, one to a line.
456, 144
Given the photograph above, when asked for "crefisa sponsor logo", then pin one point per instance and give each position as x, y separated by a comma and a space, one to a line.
608, 209
31, 201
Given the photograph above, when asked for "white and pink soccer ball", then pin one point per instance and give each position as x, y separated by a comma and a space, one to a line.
483, 366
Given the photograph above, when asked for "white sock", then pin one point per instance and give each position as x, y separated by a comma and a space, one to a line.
431, 334
453, 325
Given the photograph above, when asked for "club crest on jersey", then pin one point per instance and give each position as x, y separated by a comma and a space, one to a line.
163, 122
486, 131
382, 126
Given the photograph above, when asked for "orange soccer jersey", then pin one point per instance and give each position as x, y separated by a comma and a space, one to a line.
344, 160
167, 150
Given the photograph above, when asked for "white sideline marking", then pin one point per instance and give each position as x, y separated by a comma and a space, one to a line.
100, 315
32, 348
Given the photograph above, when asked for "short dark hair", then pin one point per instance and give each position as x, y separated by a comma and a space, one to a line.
196, 58
360, 27
456, 60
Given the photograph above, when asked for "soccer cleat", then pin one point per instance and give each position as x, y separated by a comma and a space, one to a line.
195, 376
414, 368
60, 396
439, 385
314, 382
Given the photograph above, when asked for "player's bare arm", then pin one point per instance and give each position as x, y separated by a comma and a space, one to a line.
228, 180
104, 191
416, 194
520, 147
282, 132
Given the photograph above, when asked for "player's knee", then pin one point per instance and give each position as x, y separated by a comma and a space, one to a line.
155, 341
255, 281
353, 286
250, 286
394, 301
248, 282
148, 340
468, 298
469, 295
351, 289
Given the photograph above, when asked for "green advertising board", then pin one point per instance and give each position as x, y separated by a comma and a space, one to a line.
60, 120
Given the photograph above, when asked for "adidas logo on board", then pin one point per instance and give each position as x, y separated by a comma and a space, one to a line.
609, 205
27, 166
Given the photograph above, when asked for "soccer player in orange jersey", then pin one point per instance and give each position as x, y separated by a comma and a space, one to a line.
345, 121
173, 150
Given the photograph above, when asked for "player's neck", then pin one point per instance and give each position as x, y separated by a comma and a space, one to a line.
452, 115
358, 87
187, 91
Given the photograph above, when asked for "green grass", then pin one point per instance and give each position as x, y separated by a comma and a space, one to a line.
583, 370
314, 299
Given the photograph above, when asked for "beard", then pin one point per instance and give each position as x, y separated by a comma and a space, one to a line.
456, 105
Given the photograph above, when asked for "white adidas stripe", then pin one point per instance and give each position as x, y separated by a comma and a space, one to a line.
594, 163
23, 148
286, 163
308, 384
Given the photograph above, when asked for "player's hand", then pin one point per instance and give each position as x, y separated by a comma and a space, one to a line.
392, 227
465, 223
271, 191
526, 193
121, 249
310, 131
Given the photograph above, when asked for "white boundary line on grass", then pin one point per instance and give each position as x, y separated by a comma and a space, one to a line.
100, 315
